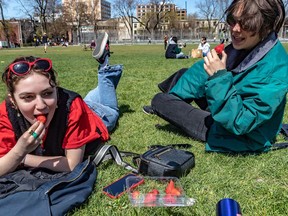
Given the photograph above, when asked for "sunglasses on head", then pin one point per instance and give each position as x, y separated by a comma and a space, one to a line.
22, 68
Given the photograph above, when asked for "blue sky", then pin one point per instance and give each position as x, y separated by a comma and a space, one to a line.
12, 11
190, 5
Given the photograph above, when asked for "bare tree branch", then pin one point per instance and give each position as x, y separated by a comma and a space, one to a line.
126, 9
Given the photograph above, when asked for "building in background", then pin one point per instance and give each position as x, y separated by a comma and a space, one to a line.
174, 23
100, 8
83, 16
15, 33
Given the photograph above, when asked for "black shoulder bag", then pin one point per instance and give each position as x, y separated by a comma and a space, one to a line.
157, 161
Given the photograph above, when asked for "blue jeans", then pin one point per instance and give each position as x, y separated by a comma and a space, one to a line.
103, 100
180, 55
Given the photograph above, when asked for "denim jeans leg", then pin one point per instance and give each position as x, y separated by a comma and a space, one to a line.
180, 55
193, 121
103, 99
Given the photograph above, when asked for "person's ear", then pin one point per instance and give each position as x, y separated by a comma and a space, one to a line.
11, 99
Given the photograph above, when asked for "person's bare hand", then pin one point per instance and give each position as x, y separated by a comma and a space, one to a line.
29, 141
213, 63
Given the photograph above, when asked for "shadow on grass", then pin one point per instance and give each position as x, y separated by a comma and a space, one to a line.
125, 109
177, 131
171, 128
122, 109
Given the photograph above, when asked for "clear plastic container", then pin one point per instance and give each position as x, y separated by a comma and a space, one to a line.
157, 191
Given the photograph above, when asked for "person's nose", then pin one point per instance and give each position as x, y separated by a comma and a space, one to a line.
236, 27
40, 103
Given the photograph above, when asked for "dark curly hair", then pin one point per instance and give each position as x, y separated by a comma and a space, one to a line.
11, 79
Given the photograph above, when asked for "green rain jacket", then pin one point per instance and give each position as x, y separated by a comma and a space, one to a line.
246, 100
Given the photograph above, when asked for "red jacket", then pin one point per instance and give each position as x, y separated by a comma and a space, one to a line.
83, 126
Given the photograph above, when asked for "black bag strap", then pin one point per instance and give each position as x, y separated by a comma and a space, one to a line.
277, 146
283, 145
107, 152
284, 130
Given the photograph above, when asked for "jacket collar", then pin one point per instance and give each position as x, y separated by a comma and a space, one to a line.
239, 60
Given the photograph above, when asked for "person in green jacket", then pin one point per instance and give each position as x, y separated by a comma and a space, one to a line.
241, 97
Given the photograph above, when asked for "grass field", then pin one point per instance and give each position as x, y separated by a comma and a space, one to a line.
258, 182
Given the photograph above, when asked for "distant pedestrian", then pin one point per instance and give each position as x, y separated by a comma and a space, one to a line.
92, 45
45, 41
35, 41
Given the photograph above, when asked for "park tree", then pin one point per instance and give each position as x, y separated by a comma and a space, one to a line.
171, 19
46, 10
126, 9
207, 10
76, 15
156, 16
40, 7
95, 16
27, 30
56, 25
222, 5
4, 22
29, 12
191, 21
35, 8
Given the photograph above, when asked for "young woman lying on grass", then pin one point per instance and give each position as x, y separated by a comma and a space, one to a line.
44, 125
242, 95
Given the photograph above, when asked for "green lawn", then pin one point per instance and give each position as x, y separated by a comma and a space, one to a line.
259, 183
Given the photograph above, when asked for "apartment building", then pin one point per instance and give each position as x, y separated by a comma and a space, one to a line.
15, 32
144, 9
176, 23
170, 10
101, 8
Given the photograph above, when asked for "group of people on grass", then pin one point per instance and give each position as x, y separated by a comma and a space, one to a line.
174, 51
241, 97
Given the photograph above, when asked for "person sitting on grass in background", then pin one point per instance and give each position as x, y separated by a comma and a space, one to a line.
204, 46
173, 51
92, 45
242, 96
44, 125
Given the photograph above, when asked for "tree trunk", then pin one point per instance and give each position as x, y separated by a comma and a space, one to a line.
5, 26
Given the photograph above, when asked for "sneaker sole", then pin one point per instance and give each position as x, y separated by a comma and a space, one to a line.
147, 113
99, 50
